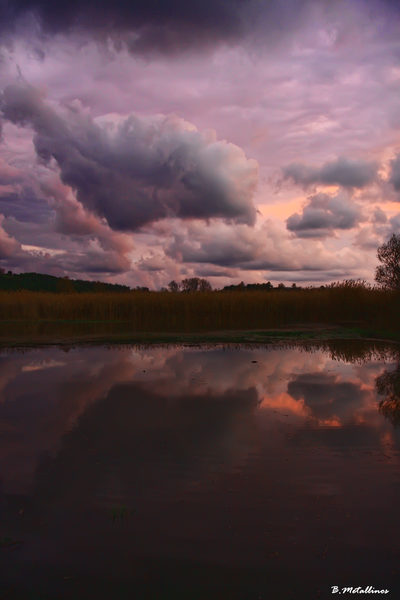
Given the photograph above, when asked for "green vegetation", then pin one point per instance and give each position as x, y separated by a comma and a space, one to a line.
121, 512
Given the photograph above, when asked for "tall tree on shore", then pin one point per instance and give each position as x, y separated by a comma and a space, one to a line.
173, 286
205, 286
387, 275
195, 284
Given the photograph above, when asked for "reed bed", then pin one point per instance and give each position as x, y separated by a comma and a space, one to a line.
208, 311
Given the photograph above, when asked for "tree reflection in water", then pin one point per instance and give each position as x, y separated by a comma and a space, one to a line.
388, 385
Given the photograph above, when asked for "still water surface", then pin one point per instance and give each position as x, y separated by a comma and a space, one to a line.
234, 473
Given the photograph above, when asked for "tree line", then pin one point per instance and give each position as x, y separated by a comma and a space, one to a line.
39, 282
195, 284
387, 277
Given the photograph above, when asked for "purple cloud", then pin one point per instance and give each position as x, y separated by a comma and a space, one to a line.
139, 170
265, 249
325, 214
342, 171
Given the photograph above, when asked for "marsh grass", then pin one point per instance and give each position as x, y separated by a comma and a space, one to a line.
197, 312
119, 512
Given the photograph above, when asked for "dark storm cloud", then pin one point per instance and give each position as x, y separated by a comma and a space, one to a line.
342, 171
139, 170
223, 18
167, 26
323, 214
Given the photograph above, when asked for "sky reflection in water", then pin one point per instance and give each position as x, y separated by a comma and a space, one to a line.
279, 476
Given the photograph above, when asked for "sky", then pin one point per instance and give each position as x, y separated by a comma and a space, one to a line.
240, 140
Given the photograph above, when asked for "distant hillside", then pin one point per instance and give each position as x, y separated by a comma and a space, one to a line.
37, 282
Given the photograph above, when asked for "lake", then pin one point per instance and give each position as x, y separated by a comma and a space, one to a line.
200, 472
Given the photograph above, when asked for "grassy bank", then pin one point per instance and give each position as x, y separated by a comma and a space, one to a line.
199, 312
249, 317
68, 337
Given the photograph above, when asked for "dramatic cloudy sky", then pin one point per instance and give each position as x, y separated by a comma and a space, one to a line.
254, 140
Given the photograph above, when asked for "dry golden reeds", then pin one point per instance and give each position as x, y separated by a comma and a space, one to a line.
209, 311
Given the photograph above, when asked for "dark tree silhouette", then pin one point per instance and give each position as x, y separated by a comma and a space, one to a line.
205, 286
387, 275
195, 284
190, 285
173, 286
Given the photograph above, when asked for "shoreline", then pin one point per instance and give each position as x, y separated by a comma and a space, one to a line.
289, 333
